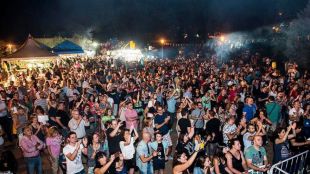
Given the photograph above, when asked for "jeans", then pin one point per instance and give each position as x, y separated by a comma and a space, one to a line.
149, 170
54, 164
172, 119
34, 164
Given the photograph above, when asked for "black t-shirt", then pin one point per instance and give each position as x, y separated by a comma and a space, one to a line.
256, 90
99, 89
213, 125
64, 117
161, 151
72, 103
52, 114
113, 142
180, 147
263, 95
159, 119
298, 149
184, 123
115, 96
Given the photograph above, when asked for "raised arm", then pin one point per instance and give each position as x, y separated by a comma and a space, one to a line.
298, 144
105, 168
278, 140
114, 132
136, 134
72, 156
189, 162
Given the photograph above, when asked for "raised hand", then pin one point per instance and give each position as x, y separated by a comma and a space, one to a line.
112, 158
289, 127
293, 126
119, 124
121, 157
259, 124
78, 145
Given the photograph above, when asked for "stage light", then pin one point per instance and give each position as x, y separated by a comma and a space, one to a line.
129, 55
222, 38
162, 41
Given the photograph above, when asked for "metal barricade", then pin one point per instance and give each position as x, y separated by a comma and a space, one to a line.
294, 165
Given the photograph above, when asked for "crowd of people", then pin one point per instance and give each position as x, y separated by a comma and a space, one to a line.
91, 116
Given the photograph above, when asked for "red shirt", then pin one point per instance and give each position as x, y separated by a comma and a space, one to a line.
232, 95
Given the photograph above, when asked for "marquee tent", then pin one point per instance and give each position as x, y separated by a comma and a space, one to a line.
31, 49
67, 48
30, 54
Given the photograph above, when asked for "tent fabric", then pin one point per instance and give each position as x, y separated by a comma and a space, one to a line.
67, 47
31, 49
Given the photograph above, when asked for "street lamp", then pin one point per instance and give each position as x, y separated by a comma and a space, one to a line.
162, 42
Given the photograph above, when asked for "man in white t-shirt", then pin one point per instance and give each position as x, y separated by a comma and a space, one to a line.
249, 135
73, 153
77, 124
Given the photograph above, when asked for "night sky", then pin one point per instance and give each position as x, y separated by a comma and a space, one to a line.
140, 19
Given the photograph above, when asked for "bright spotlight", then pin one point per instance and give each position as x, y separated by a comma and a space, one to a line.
222, 38
162, 41
128, 54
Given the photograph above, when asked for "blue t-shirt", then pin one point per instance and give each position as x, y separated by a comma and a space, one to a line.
171, 102
250, 111
281, 152
159, 119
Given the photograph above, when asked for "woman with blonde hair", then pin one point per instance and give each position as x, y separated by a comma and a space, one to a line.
53, 143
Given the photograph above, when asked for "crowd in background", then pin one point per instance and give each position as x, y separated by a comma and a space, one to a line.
93, 116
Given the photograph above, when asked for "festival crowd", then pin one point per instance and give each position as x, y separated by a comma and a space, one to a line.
93, 116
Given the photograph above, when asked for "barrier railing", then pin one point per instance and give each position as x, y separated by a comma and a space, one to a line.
293, 165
